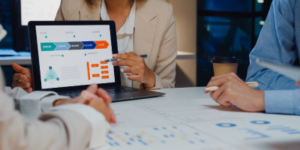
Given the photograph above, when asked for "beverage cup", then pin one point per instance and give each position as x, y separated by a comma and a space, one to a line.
224, 65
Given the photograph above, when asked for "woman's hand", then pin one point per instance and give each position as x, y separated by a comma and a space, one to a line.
137, 67
298, 83
233, 90
22, 78
96, 98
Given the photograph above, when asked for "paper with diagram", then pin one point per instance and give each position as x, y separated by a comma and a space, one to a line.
198, 124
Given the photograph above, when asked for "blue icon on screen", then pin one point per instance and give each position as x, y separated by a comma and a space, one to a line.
226, 125
262, 122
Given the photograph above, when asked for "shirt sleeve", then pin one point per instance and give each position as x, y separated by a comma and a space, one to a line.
283, 102
69, 127
99, 125
165, 69
276, 44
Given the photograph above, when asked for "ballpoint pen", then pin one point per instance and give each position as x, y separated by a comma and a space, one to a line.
113, 59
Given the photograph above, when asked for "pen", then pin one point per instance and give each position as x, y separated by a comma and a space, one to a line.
113, 59
214, 88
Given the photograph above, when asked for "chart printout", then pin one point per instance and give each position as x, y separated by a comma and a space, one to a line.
199, 124
72, 55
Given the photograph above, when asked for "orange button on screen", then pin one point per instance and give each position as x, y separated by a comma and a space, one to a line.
95, 65
104, 72
104, 67
96, 75
105, 77
103, 63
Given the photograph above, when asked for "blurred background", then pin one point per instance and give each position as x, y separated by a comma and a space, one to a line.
206, 28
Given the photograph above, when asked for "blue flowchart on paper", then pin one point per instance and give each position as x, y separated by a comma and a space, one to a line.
194, 125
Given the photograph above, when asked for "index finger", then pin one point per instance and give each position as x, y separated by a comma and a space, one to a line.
217, 82
127, 56
18, 77
92, 88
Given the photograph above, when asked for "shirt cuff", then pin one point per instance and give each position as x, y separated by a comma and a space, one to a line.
280, 102
100, 126
47, 102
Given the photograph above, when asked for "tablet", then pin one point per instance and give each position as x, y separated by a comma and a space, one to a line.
292, 72
67, 55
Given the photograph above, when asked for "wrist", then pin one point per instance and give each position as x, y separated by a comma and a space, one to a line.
260, 100
150, 80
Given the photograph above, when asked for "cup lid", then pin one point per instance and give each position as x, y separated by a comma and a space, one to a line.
225, 60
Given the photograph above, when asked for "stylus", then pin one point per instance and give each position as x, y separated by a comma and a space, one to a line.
113, 59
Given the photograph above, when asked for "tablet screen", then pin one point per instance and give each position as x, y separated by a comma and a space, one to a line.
73, 55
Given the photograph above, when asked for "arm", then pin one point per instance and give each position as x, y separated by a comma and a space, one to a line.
233, 90
283, 102
276, 44
64, 128
165, 70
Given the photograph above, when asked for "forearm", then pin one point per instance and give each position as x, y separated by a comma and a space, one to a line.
64, 128
165, 70
20, 133
276, 44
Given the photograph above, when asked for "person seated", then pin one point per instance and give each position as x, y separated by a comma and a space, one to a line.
143, 27
279, 42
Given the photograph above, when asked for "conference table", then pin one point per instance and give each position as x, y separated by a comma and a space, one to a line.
186, 118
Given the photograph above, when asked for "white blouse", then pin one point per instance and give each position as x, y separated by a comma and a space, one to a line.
124, 36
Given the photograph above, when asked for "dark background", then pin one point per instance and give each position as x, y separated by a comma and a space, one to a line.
224, 28
227, 28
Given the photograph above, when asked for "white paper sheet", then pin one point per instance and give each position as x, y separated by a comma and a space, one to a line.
199, 124
292, 72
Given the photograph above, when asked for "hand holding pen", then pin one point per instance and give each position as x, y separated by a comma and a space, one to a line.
234, 91
136, 69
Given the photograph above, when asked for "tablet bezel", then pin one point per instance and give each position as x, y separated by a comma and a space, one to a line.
35, 57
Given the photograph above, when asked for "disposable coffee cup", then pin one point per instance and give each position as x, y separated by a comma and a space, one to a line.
224, 65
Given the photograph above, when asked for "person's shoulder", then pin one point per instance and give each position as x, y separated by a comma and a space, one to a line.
290, 3
72, 5
160, 7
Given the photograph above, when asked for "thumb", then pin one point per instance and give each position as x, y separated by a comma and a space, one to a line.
20, 69
92, 88
102, 93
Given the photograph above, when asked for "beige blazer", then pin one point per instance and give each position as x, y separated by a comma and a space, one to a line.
155, 34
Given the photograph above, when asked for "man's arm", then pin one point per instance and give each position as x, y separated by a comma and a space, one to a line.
233, 90
283, 102
276, 44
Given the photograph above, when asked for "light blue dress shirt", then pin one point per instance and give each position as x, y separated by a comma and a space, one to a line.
279, 42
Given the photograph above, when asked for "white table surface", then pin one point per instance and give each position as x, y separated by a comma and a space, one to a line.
191, 111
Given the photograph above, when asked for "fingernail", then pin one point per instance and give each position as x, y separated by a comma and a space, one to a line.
87, 95
122, 69
115, 55
84, 95
113, 118
94, 85
127, 76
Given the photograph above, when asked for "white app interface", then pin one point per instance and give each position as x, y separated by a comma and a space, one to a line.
73, 55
